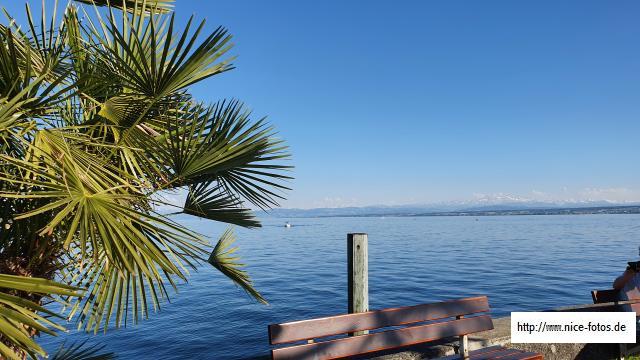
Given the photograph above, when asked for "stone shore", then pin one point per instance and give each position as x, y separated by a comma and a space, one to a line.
500, 335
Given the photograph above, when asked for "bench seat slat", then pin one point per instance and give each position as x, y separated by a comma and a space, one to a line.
496, 353
342, 324
517, 355
385, 340
520, 356
506, 354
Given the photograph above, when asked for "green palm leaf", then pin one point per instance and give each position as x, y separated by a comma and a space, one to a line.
220, 143
19, 317
224, 259
97, 209
38, 50
134, 5
96, 125
154, 59
82, 351
211, 201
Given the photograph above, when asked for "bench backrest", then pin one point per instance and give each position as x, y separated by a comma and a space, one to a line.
605, 296
613, 296
445, 319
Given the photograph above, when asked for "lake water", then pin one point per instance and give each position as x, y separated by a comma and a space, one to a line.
520, 262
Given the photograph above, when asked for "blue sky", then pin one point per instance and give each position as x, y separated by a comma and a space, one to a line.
431, 101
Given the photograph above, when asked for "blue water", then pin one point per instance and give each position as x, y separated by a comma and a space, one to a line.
520, 262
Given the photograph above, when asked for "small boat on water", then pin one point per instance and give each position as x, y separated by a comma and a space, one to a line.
287, 225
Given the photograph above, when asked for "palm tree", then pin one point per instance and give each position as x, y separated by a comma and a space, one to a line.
97, 126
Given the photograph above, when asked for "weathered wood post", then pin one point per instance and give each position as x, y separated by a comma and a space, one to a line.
358, 278
463, 351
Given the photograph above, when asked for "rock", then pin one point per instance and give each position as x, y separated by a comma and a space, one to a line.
501, 335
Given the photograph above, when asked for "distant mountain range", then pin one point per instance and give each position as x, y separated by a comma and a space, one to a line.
467, 209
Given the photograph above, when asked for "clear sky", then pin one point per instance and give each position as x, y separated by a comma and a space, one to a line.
397, 102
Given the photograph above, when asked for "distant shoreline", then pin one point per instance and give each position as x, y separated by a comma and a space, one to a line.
611, 210
614, 210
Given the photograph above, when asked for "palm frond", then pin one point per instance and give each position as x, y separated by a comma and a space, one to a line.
92, 73
98, 202
224, 259
211, 201
82, 351
155, 59
125, 110
44, 88
218, 142
13, 124
119, 296
100, 209
19, 317
96, 122
134, 5
40, 49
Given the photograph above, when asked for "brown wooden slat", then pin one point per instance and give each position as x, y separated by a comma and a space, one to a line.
504, 353
383, 340
342, 324
496, 353
519, 355
592, 308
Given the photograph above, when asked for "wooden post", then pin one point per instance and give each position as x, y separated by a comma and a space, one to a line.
358, 274
464, 343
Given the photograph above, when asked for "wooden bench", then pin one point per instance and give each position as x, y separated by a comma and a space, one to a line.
611, 297
410, 325
607, 296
